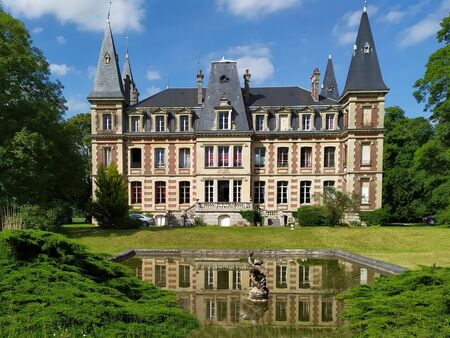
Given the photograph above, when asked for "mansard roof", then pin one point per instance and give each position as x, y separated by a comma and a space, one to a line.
259, 96
223, 85
108, 81
364, 73
329, 84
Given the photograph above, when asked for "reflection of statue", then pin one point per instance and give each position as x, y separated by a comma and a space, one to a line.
258, 284
254, 311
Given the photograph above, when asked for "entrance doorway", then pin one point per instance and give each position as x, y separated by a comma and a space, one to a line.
223, 191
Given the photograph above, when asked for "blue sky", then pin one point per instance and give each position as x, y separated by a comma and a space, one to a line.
280, 41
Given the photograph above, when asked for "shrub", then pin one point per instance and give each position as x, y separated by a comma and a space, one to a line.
252, 216
311, 215
443, 217
110, 207
336, 203
413, 304
375, 217
45, 218
51, 286
199, 221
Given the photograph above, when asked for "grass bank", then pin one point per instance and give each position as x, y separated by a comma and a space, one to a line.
406, 246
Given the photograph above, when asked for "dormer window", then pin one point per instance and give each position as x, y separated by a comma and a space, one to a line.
134, 124
306, 122
107, 121
259, 122
366, 48
184, 122
107, 59
159, 123
224, 120
329, 120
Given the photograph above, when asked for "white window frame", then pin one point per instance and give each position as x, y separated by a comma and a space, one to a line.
224, 120
262, 159
107, 156
306, 158
259, 190
282, 192
185, 123
184, 160
221, 152
209, 191
160, 123
107, 121
305, 192
237, 191
306, 122
365, 153
160, 158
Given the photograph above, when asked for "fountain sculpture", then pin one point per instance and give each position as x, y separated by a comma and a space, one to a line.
258, 285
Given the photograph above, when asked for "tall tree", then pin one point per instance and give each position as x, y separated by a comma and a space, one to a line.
432, 160
39, 161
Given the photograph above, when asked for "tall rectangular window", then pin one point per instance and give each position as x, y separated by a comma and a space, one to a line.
210, 309
185, 192
184, 160
259, 192
304, 311
107, 156
329, 122
160, 123
327, 310
283, 157
367, 116
328, 188
184, 122
209, 191
136, 158
107, 121
235, 310
224, 120
329, 157
306, 122
305, 192
136, 192
160, 158
365, 154
303, 277
237, 190
209, 156
306, 157
209, 278
365, 192
224, 156
282, 187
237, 156
281, 310
284, 122
260, 157
281, 280
160, 192
237, 280
184, 276
134, 124
160, 276
259, 122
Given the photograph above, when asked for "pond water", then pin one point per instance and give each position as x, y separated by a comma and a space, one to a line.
214, 287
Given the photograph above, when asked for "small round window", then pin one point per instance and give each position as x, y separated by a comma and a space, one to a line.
224, 78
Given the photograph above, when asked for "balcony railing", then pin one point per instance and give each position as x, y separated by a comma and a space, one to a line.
230, 206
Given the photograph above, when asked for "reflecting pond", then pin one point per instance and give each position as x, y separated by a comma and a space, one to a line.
214, 287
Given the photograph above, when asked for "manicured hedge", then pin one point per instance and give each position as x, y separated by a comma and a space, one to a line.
50, 286
413, 304
311, 216
375, 217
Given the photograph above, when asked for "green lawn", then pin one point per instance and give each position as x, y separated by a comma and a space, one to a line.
405, 246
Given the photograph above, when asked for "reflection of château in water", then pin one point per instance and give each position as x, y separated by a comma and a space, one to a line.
302, 289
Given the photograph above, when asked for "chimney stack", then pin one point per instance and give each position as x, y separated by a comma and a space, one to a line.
247, 77
200, 77
315, 80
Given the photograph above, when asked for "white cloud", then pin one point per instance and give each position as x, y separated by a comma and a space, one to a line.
426, 27
37, 30
77, 105
256, 58
60, 70
151, 91
153, 75
91, 71
61, 40
86, 14
254, 9
346, 28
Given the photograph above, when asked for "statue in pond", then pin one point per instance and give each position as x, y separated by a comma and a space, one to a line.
258, 285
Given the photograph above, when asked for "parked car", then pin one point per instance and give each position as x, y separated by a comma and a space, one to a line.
430, 219
145, 220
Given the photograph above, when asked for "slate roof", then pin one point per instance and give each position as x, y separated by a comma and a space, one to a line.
173, 97
223, 82
285, 96
107, 82
364, 73
329, 84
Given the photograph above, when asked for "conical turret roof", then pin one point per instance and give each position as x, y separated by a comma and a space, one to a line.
364, 73
329, 85
107, 82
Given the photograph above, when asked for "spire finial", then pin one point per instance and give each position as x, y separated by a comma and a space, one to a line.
329, 56
109, 12
126, 51
365, 6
